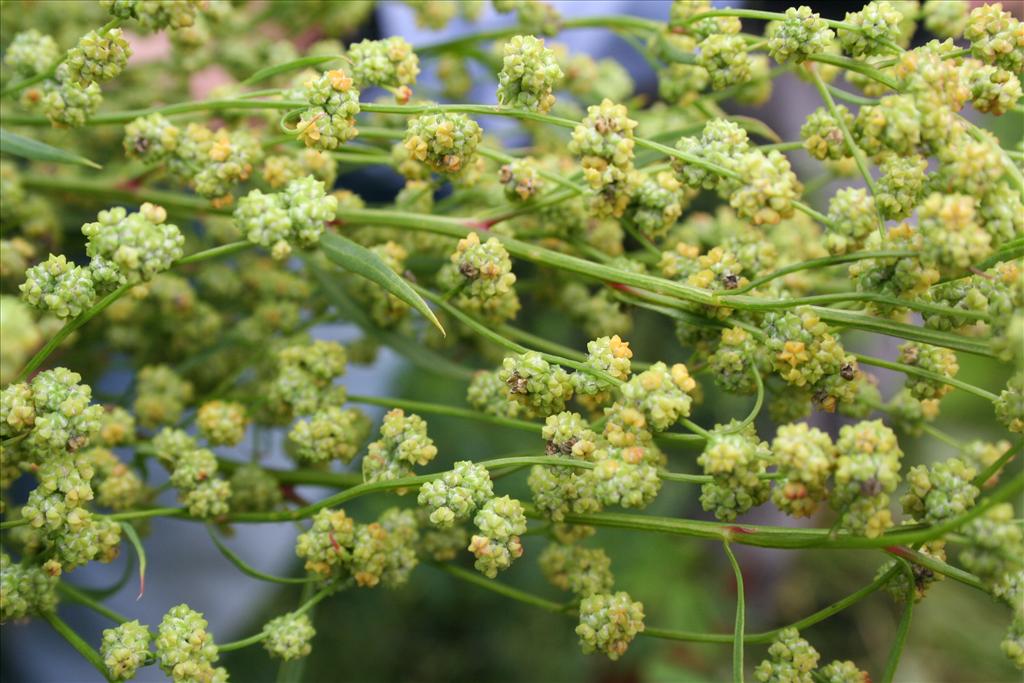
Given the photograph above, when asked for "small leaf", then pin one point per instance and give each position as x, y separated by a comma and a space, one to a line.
270, 71
27, 148
419, 355
133, 536
363, 262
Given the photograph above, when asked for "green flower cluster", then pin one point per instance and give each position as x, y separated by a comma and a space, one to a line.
222, 423
805, 458
153, 15
765, 186
725, 58
326, 546
801, 34
31, 52
389, 62
805, 354
117, 486
822, 135
735, 360
296, 215
185, 649
25, 589
253, 489
1010, 404
940, 492
611, 355
53, 409
946, 18
953, 239
304, 379
288, 636
193, 474
95, 59
214, 162
934, 359
521, 179
151, 139
994, 90
657, 204
500, 522
736, 458
609, 622
403, 445
332, 433
996, 37
584, 571
330, 119
876, 28
901, 186
852, 219
790, 658
160, 396
445, 142
660, 393
456, 493
128, 248
482, 276
898, 587
604, 140
529, 74
60, 287
540, 388
125, 649
867, 471
535, 15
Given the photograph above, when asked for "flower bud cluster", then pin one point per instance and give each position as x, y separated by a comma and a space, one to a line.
222, 423
604, 140
125, 649
790, 658
214, 162
31, 52
584, 571
521, 179
736, 458
25, 590
185, 649
725, 58
658, 203
193, 474
529, 74
996, 37
330, 119
940, 492
1010, 404
454, 495
822, 135
661, 394
96, 58
54, 409
899, 585
332, 433
128, 248
540, 388
117, 486
389, 62
482, 276
305, 374
500, 522
876, 26
160, 396
765, 186
296, 215
953, 239
154, 15
403, 445
735, 360
934, 359
288, 636
805, 457
445, 142
805, 354
253, 489
901, 186
611, 355
151, 139
867, 471
60, 287
801, 34
609, 622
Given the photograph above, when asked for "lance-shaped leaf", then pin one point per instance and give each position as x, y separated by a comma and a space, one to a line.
357, 259
27, 148
140, 550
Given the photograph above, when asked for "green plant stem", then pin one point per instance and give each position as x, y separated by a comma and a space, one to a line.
995, 467
812, 264
938, 566
246, 568
904, 626
450, 411
927, 374
76, 641
262, 635
82, 598
740, 627
501, 588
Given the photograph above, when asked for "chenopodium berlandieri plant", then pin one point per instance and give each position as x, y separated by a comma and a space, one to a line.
641, 282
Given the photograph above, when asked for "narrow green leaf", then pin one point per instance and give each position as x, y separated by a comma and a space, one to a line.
133, 536
363, 262
27, 148
245, 568
302, 62
417, 354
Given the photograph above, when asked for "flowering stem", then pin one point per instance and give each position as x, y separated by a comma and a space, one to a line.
821, 263
737, 643
927, 374
502, 588
82, 598
450, 411
76, 641
262, 635
938, 566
